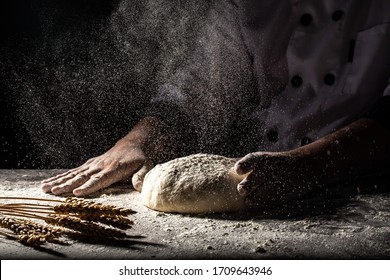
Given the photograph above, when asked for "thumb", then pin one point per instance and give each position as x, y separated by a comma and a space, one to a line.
138, 177
246, 164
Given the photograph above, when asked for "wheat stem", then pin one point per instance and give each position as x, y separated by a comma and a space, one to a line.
29, 209
25, 205
30, 198
21, 214
72, 215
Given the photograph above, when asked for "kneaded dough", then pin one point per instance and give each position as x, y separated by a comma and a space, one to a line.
200, 183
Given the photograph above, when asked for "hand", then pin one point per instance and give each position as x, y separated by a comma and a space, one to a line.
273, 178
150, 141
117, 164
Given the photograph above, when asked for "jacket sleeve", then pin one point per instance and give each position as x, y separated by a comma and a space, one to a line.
203, 98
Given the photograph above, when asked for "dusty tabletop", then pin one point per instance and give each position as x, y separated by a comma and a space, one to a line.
342, 228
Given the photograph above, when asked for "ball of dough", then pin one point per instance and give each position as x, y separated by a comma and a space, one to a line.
200, 183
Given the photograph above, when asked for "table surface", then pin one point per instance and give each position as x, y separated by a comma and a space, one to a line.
357, 227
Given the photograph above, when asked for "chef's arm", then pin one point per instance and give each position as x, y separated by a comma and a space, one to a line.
359, 149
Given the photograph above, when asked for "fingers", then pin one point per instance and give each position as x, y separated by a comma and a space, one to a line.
257, 196
74, 170
138, 177
47, 185
59, 176
250, 183
247, 163
56, 177
96, 182
73, 183
260, 192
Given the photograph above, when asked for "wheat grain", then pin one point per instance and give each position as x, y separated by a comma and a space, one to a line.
111, 220
70, 216
29, 232
74, 205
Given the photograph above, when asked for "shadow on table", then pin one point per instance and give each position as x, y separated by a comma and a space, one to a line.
132, 242
326, 202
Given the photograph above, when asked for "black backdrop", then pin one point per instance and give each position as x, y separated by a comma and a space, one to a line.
76, 75
24, 33
18, 23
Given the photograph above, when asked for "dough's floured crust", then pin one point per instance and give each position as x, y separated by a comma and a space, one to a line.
200, 183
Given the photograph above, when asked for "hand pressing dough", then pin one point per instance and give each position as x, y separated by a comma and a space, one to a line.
200, 183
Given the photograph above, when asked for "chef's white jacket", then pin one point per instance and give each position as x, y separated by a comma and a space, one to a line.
275, 75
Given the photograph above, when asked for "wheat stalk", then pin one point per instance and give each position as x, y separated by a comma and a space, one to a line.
29, 232
74, 205
69, 205
85, 227
68, 216
116, 221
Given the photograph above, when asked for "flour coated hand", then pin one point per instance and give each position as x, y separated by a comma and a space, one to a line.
273, 178
117, 164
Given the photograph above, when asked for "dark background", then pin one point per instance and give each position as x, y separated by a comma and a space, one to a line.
76, 75
39, 39
18, 24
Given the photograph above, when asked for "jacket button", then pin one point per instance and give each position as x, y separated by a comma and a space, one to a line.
306, 19
305, 141
329, 79
296, 81
337, 15
272, 136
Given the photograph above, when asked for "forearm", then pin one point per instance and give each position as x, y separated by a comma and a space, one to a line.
360, 148
155, 138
